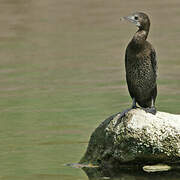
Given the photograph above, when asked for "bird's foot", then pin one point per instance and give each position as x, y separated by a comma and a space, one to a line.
122, 115
151, 110
134, 107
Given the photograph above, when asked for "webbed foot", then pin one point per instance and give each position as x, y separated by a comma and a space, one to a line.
122, 115
151, 110
125, 111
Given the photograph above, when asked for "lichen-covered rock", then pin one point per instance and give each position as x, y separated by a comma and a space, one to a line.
140, 138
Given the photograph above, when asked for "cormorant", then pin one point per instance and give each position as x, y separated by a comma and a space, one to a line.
141, 65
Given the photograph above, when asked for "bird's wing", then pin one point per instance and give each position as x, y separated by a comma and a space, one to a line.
154, 60
126, 58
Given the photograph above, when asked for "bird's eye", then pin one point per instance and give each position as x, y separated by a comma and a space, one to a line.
136, 17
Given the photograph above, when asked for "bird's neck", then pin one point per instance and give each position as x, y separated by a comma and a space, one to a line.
140, 37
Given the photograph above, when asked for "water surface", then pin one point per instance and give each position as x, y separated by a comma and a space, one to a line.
62, 73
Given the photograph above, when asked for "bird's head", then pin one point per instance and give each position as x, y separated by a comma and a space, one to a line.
141, 20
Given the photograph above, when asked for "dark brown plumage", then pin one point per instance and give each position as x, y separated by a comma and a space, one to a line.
141, 65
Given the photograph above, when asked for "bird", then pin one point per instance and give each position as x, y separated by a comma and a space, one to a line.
141, 65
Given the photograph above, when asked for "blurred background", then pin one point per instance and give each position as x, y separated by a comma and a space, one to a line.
62, 73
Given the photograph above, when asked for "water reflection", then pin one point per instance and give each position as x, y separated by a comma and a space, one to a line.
97, 174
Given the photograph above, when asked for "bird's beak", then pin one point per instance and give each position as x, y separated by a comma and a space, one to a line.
128, 18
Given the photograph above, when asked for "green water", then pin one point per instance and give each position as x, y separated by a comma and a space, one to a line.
62, 73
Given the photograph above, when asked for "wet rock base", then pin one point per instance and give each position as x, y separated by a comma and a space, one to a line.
138, 140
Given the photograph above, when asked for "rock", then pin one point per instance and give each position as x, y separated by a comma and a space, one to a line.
139, 139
